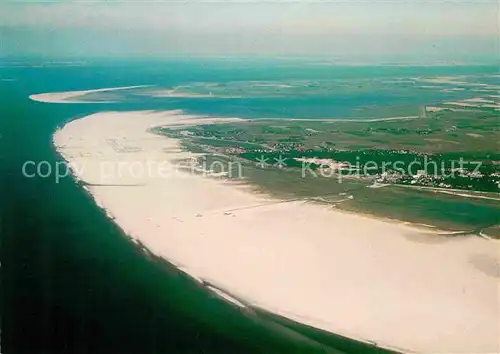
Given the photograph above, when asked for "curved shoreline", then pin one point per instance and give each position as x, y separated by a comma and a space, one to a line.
63, 97
215, 290
375, 244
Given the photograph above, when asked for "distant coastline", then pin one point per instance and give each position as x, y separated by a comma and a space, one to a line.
66, 97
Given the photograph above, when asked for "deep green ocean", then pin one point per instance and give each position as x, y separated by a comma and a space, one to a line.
73, 283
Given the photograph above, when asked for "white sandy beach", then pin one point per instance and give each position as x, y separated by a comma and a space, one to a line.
64, 97
361, 277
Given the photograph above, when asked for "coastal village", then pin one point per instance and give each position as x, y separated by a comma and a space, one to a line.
375, 165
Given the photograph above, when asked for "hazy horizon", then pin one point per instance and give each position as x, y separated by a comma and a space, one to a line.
460, 31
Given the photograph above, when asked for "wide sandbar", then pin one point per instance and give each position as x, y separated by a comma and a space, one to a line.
365, 278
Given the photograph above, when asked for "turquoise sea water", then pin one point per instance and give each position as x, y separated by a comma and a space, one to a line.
72, 283
298, 90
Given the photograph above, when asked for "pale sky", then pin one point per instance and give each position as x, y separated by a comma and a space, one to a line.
414, 29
